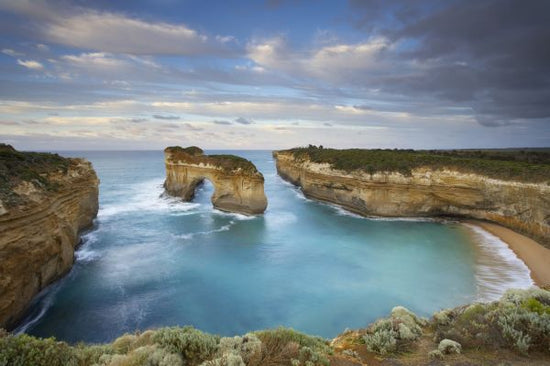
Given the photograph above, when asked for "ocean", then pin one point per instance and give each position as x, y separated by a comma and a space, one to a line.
153, 261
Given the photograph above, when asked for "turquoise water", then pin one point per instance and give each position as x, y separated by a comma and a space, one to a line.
155, 261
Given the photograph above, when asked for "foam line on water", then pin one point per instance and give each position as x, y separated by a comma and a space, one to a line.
498, 268
234, 215
146, 196
191, 235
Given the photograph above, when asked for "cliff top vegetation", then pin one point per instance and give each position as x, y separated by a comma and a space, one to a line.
527, 165
513, 330
227, 162
33, 167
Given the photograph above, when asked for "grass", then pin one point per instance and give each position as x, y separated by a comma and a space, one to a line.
33, 167
514, 165
229, 163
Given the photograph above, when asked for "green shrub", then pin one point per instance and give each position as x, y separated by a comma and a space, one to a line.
284, 346
518, 321
23, 350
246, 347
448, 346
193, 345
394, 334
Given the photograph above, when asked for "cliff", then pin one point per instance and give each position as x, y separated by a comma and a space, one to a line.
45, 201
239, 187
419, 189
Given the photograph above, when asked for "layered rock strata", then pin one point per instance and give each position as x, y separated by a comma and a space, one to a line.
520, 206
39, 230
239, 187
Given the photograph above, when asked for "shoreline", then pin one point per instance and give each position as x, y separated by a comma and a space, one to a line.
534, 255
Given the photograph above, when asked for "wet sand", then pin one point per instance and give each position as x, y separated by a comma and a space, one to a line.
535, 256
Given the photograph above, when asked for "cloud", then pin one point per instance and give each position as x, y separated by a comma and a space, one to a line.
30, 64
95, 59
12, 53
115, 33
244, 121
159, 116
218, 122
138, 120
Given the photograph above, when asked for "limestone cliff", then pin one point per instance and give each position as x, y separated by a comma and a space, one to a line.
46, 201
239, 187
426, 191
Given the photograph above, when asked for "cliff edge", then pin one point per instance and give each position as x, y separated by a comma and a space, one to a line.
45, 201
515, 194
239, 186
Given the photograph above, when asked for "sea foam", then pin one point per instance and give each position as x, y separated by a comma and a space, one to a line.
498, 268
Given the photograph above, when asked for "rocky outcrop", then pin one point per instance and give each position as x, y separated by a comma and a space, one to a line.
39, 228
239, 187
520, 206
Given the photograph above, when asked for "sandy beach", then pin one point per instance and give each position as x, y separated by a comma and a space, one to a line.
535, 256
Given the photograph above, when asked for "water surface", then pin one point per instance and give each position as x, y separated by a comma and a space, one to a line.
154, 261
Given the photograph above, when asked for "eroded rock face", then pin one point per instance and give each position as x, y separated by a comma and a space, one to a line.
239, 187
38, 234
523, 207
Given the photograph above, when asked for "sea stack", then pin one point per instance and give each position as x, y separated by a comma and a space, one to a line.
239, 186
45, 202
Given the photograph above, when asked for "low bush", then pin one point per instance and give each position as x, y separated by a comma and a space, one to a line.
519, 320
193, 345
285, 346
394, 334
24, 350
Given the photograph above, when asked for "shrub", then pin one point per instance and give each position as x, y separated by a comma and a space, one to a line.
283, 346
23, 350
193, 345
246, 347
448, 346
394, 334
519, 321
435, 354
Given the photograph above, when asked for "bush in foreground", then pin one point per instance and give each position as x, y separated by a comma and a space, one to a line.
519, 321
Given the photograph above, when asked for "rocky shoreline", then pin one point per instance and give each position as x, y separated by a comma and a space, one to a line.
521, 206
40, 230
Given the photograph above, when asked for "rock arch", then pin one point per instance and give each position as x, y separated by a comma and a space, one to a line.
238, 185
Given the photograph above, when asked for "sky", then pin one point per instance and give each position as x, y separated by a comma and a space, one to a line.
146, 74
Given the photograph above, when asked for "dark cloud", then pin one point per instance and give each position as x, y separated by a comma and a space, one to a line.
158, 116
221, 122
244, 121
327, 124
491, 56
8, 123
192, 127
138, 120
363, 107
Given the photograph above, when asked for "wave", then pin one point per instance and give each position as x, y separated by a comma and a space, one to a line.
146, 196
236, 216
198, 233
84, 252
498, 268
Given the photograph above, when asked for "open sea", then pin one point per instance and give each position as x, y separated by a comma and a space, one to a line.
153, 261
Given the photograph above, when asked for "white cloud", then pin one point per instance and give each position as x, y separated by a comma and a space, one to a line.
115, 33
329, 63
30, 64
95, 59
12, 53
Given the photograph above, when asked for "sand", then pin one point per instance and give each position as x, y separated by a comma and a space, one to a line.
535, 256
